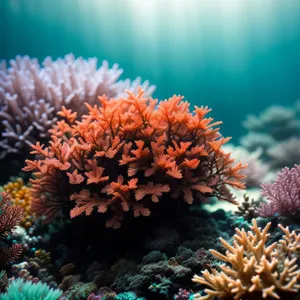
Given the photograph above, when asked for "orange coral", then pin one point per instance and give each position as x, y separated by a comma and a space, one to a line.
128, 153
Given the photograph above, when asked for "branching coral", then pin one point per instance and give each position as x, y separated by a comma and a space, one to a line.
31, 94
254, 270
10, 216
256, 171
283, 194
127, 154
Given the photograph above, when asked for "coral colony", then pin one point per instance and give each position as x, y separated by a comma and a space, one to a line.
128, 154
112, 201
31, 94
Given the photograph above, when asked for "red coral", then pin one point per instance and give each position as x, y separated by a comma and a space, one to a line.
127, 154
10, 216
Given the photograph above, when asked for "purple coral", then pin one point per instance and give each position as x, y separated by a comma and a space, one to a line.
182, 295
283, 194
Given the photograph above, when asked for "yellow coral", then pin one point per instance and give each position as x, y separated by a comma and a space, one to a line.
254, 270
42, 257
21, 196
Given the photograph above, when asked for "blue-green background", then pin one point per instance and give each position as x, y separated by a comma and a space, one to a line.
236, 56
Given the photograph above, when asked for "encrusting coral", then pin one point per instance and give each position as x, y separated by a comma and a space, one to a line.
254, 270
128, 153
20, 196
10, 216
32, 93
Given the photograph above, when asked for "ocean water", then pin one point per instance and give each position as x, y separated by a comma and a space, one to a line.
102, 213
235, 56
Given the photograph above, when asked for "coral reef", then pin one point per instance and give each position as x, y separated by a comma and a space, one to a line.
32, 93
124, 263
254, 270
283, 195
127, 154
10, 216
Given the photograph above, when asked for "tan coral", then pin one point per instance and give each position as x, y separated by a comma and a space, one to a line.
254, 270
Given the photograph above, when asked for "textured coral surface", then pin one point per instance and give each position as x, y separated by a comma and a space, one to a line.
127, 154
32, 93
254, 270
283, 194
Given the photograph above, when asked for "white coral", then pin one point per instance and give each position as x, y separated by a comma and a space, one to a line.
31, 94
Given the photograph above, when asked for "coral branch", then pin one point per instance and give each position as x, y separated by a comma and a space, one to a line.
129, 153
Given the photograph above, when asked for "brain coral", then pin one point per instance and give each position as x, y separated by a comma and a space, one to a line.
126, 154
31, 94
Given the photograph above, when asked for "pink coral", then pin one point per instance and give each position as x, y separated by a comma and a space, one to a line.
283, 195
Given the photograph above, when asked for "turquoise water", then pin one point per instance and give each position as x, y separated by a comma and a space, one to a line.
111, 212
236, 56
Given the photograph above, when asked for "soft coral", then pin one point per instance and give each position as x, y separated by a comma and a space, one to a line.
128, 153
10, 216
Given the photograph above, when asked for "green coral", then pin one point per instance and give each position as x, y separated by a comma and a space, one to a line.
19, 289
81, 291
128, 296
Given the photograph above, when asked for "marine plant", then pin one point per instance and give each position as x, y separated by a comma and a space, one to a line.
283, 195
253, 269
126, 155
31, 93
10, 216
19, 289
